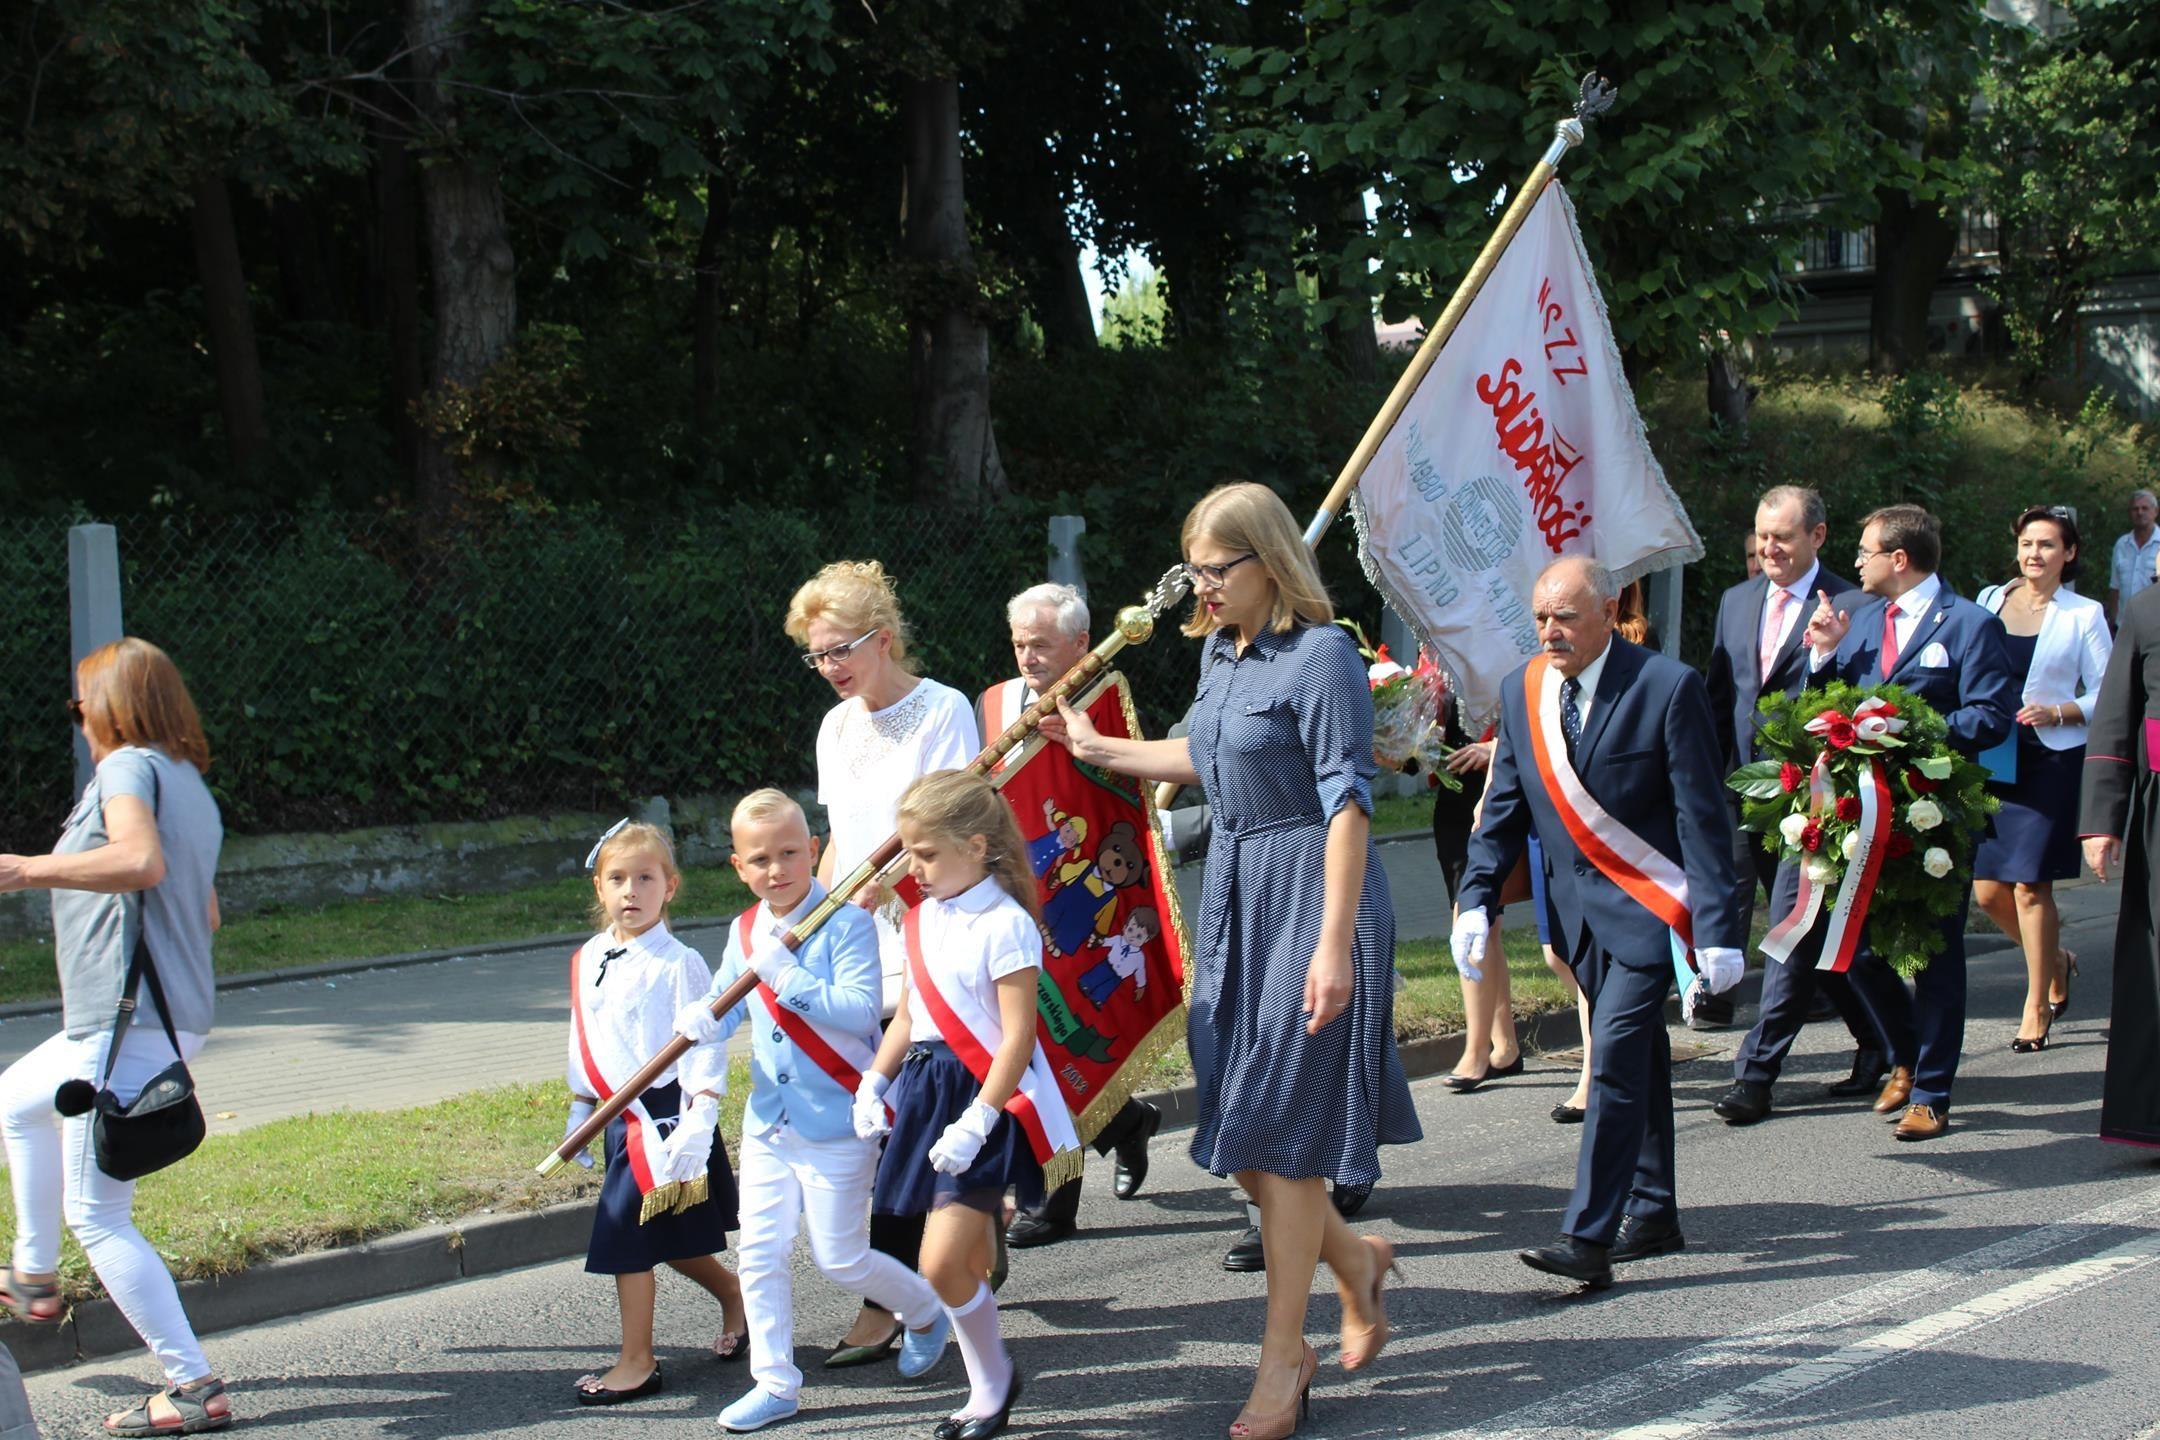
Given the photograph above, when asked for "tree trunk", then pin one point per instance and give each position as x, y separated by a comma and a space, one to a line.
399, 228
470, 263
710, 299
1350, 335
956, 455
231, 323
304, 288
1057, 291
1913, 242
1731, 396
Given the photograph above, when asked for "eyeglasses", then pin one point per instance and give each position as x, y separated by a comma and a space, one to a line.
1866, 555
1213, 576
75, 710
840, 652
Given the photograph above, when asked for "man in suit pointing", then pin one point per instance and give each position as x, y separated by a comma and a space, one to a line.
1761, 649
1609, 750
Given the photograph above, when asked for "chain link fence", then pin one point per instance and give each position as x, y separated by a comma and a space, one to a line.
353, 670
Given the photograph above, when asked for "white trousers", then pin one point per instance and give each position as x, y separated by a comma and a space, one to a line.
52, 1166
823, 1186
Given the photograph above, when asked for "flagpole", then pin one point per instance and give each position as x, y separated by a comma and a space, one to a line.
1135, 625
1594, 98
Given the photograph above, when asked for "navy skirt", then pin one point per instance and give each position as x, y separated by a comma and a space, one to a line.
2034, 836
935, 1089
621, 1246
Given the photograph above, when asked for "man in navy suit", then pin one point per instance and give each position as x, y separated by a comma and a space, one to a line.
1634, 731
1761, 650
1911, 631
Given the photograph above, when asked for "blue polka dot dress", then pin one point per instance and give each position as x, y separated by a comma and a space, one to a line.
1282, 739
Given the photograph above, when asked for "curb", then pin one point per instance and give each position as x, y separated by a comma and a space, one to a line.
488, 1244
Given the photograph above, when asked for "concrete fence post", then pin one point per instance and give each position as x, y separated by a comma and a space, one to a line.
1661, 602
1065, 567
93, 610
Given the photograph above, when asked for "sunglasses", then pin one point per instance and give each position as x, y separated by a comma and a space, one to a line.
75, 710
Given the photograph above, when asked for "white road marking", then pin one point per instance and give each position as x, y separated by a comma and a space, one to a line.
1588, 1410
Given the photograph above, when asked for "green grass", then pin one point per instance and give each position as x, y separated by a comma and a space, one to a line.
1393, 814
277, 937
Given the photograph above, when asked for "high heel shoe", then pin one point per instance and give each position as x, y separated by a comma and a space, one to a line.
2069, 963
1280, 1424
2023, 1046
1362, 1349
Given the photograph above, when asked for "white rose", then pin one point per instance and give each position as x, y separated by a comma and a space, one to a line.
1820, 870
1923, 814
1936, 861
1851, 847
1791, 827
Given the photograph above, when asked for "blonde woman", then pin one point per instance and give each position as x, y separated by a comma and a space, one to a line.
1292, 1027
890, 728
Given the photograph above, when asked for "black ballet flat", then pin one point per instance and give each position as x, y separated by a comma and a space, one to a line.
1464, 1084
1566, 1114
981, 1427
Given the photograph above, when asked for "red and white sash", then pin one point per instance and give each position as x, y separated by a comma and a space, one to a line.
644, 1143
1036, 1104
1001, 706
840, 1055
1621, 856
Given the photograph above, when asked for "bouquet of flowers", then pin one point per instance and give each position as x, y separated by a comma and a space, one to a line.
1406, 713
1860, 785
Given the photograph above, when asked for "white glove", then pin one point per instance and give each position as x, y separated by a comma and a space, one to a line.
689, 1149
696, 1023
1467, 943
1721, 969
580, 1112
869, 1110
963, 1140
772, 961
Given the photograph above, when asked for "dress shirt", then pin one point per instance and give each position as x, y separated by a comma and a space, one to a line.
1587, 679
2131, 569
1913, 606
1796, 609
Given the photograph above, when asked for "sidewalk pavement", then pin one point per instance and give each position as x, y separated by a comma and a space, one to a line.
388, 1038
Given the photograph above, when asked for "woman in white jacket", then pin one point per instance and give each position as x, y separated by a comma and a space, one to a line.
2058, 640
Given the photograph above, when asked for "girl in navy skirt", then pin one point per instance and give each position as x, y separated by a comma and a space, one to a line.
971, 1106
668, 1197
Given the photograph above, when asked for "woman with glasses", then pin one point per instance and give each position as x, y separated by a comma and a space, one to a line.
2058, 644
890, 728
1291, 1026
134, 867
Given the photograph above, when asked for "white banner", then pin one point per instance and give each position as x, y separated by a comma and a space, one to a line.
1520, 445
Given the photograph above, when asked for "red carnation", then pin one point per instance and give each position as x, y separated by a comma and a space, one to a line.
1840, 734
1920, 783
1789, 777
1811, 838
1898, 846
1848, 807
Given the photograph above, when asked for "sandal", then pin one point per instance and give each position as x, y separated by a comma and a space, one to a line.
24, 1297
731, 1345
194, 1409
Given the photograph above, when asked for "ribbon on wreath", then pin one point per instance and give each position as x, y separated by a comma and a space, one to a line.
1871, 720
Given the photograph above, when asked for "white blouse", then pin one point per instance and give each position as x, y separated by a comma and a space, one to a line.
2070, 655
628, 994
866, 759
969, 944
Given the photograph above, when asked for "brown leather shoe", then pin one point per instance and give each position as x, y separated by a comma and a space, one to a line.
1895, 1091
1921, 1122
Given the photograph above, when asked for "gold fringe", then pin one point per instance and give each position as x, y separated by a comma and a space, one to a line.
1064, 1168
674, 1197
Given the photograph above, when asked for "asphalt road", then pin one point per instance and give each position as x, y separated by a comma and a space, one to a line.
2000, 1281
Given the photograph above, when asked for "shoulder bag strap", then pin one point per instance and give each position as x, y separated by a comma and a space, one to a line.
140, 967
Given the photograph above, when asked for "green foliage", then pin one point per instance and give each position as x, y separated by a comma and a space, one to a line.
527, 408
1940, 805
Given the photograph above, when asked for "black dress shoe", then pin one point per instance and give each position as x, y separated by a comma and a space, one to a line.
1246, 1256
1349, 1199
984, 1426
1031, 1228
1744, 1104
1572, 1259
1868, 1069
1566, 1114
1712, 1012
1641, 1239
1464, 1084
1132, 1158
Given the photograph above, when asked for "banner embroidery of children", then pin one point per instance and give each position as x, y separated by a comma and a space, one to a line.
1111, 991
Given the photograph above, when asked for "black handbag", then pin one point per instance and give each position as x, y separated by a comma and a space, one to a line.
164, 1123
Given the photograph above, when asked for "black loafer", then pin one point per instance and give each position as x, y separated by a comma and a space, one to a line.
1868, 1069
1246, 1256
1744, 1104
1031, 1228
1572, 1259
1641, 1239
1132, 1156
1566, 1114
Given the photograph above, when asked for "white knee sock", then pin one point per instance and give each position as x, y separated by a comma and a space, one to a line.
982, 1347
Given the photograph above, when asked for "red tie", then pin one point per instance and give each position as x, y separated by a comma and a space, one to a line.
1889, 638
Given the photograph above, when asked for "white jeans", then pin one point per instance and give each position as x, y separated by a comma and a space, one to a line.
53, 1168
785, 1179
